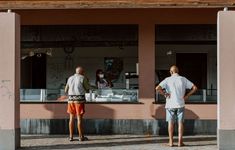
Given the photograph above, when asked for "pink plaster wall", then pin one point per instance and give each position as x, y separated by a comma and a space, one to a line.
146, 54
226, 69
116, 111
9, 77
120, 16
146, 19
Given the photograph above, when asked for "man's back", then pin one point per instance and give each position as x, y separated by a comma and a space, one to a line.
75, 84
176, 86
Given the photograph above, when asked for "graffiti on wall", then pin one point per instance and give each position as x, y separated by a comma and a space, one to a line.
5, 91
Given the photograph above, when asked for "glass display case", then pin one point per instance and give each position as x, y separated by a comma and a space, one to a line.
112, 95
41, 95
97, 95
32, 94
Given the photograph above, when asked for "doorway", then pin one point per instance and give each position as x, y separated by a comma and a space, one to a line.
194, 67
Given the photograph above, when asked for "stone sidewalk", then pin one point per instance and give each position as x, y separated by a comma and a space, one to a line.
114, 142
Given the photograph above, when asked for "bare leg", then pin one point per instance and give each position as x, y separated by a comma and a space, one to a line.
181, 131
170, 132
79, 126
71, 125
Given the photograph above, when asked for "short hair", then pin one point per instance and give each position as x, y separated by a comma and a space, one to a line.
174, 69
79, 70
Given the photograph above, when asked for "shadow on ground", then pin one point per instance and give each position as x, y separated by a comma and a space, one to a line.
100, 141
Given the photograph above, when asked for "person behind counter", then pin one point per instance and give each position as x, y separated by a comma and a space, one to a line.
101, 82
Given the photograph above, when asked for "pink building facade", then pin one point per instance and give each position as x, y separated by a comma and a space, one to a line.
147, 114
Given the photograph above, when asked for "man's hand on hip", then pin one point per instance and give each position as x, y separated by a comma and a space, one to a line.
186, 97
167, 95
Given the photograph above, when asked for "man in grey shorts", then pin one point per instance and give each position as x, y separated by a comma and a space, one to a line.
173, 88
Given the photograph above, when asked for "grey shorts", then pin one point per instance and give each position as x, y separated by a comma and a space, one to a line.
173, 114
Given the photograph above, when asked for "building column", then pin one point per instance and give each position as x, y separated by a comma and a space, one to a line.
226, 80
9, 81
146, 54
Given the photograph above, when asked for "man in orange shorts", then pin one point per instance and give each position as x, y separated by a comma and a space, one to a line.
76, 87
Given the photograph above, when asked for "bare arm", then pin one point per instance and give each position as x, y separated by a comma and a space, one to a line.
160, 90
86, 84
193, 90
66, 89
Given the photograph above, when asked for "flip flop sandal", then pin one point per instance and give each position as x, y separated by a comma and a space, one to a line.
169, 145
181, 145
83, 139
70, 139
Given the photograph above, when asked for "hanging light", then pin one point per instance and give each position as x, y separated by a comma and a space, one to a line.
23, 57
31, 53
169, 52
39, 55
49, 52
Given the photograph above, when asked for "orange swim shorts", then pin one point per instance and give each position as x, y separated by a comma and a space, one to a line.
76, 108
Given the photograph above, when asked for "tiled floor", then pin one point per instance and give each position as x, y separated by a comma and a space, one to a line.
115, 142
